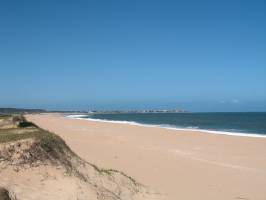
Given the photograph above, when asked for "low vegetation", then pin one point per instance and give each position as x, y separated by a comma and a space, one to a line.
4, 194
22, 143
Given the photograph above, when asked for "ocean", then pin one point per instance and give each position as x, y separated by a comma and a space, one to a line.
242, 124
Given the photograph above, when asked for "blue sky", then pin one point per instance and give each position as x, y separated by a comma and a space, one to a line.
204, 55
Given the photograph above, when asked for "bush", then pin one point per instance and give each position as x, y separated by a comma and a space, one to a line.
25, 124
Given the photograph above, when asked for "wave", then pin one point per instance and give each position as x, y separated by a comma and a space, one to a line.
170, 127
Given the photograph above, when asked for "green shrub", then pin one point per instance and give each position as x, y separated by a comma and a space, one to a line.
25, 124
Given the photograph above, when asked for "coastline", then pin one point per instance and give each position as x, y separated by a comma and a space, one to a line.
240, 134
178, 164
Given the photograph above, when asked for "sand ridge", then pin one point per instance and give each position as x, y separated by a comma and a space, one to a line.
37, 164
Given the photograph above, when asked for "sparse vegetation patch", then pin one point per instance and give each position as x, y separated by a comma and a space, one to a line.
23, 144
4, 194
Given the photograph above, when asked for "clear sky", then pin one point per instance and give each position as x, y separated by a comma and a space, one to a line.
199, 55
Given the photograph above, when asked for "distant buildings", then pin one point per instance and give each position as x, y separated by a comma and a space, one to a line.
137, 111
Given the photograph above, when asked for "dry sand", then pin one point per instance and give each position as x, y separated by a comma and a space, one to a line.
180, 164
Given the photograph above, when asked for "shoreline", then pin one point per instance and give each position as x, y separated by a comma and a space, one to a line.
132, 123
184, 165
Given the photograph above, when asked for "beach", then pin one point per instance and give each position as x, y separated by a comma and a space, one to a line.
183, 164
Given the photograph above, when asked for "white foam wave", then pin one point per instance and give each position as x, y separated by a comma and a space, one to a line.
170, 127
76, 116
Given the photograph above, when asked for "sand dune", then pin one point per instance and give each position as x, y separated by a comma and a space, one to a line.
37, 164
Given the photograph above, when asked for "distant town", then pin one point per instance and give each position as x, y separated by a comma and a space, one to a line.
137, 111
22, 110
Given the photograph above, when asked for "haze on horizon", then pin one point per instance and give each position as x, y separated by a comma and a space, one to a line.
204, 55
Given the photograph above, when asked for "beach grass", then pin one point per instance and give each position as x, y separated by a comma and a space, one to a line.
4, 194
47, 145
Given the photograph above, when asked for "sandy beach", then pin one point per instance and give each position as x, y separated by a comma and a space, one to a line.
178, 164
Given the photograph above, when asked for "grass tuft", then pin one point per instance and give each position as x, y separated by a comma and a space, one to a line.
47, 146
4, 194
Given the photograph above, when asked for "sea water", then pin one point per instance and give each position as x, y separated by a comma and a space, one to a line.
243, 124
